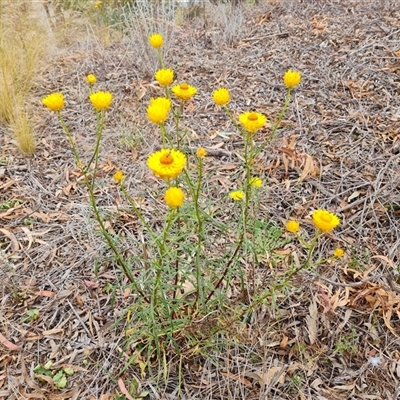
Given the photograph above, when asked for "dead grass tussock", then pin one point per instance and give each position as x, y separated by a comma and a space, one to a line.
23, 43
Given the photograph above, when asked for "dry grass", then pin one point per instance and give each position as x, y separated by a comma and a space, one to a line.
24, 43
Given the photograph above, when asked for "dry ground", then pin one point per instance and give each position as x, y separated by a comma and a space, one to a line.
338, 148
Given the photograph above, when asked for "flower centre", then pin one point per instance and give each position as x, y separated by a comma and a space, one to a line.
184, 86
252, 117
326, 218
166, 159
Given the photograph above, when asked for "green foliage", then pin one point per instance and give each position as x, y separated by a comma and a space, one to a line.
347, 343
297, 381
59, 376
32, 315
7, 205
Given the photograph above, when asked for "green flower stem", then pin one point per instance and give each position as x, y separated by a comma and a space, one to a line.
177, 117
164, 136
277, 286
234, 121
90, 186
167, 93
283, 283
163, 250
70, 138
160, 58
196, 196
276, 125
99, 219
311, 248
217, 285
99, 134
248, 156
138, 213
301, 240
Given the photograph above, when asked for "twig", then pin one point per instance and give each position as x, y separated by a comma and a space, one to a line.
258, 38
389, 277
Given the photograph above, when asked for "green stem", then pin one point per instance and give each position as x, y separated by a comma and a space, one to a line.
283, 283
99, 134
90, 186
163, 251
160, 58
70, 138
216, 286
199, 283
177, 117
138, 213
234, 121
164, 136
276, 125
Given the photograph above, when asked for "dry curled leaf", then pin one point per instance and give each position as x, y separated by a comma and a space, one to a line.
124, 390
10, 346
91, 284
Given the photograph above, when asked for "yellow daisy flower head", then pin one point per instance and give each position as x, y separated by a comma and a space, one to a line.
236, 195
158, 110
167, 163
324, 220
184, 91
174, 197
256, 181
252, 121
91, 79
164, 76
291, 78
201, 152
118, 176
338, 252
54, 101
221, 96
97, 4
156, 40
292, 226
101, 100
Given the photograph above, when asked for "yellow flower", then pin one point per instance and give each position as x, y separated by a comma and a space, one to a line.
291, 79
324, 220
54, 101
164, 76
158, 110
167, 163
236, 195
256, 181
338, 252
201, 152
174, 197
118, 176
156, 40
91, 79
252, 121
292, 226
221, 96
97, 4
184, 91
101, 100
